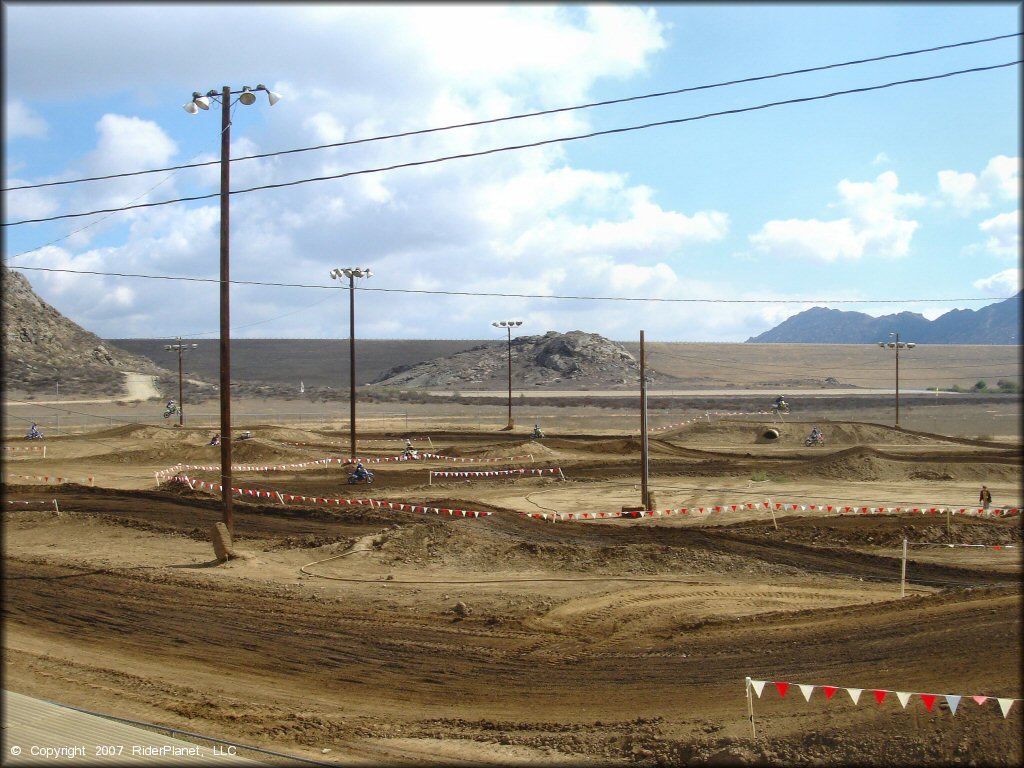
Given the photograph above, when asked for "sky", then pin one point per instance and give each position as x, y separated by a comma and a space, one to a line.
735, 213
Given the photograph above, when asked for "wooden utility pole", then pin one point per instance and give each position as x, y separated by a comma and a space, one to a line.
645, 495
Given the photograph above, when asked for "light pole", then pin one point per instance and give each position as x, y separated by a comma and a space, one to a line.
351, 273
897, 345
179, 348
246, 96
508, 325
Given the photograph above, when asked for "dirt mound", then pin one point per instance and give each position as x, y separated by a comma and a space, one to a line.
137, 432
793, 433
625, 445
870, 464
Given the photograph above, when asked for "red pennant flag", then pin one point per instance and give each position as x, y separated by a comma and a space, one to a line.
829, 507
879, 696
782, 687
929, 700
829, 690
718, 509
733, 507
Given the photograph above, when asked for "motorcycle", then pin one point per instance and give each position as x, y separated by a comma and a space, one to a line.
780, 408
34, 436
170, 410
812, 440
353, 479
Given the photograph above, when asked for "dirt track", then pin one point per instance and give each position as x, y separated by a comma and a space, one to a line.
410, 639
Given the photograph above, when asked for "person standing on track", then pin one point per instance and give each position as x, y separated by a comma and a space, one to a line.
985, 498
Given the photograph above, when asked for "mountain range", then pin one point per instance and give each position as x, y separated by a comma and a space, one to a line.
995, 324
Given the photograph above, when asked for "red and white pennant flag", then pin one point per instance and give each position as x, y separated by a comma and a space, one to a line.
879, 694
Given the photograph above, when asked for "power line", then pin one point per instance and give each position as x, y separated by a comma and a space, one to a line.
673, 300
539, 113
529, 145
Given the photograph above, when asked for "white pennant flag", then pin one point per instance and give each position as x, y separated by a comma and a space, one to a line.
1005, 704
903, 697
806, 691
854, 693
758, 686
953, 701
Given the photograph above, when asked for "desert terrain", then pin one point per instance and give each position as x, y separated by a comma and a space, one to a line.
461, 610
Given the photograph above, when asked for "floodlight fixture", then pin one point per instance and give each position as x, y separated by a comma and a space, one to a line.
247, 97
272, 97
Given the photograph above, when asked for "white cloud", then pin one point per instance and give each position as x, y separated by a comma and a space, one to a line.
1004, 234
1006, 282
20, 121
28, 203
873, 226
967, 192
881, 159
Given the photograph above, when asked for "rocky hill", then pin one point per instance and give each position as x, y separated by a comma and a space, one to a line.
995, 324
555, 360
41, 347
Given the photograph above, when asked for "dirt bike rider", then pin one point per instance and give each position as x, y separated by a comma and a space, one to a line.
215, 440
537, 431
171, 406
816, 435
360, 472
781, 404
409, 452
34, 433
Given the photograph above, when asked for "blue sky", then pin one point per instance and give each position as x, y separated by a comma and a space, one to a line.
905, 198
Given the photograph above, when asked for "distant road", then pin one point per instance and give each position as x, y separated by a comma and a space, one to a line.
769, 395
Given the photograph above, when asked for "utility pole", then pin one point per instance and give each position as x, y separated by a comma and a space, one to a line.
179, 348
246, 96
897, 345
508, 325
645, 493
351, 273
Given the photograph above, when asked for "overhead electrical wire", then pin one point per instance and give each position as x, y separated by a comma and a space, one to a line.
494, 294
539, 113
528, 145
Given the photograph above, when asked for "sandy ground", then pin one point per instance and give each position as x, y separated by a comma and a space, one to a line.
365, 635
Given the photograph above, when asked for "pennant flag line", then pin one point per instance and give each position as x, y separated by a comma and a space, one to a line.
400, 506
50, 479
928, 699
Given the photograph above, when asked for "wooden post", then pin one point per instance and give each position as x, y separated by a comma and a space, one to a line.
750, 709
903, 571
